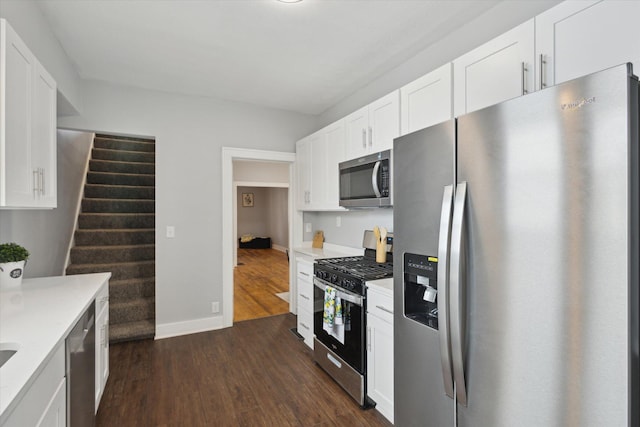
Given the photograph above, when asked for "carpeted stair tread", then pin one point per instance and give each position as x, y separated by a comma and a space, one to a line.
120, 290
116, 231
105, 191
126, 145
125, 138
116, 220
118, 205
121, 167
112, 253
143, 329
123, 155
119, 271
115, 236
111, 178
132, 310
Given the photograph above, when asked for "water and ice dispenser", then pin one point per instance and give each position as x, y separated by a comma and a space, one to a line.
421, 289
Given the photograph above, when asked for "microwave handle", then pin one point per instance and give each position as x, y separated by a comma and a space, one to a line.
374, 179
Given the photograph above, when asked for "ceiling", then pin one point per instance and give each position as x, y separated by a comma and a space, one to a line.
302, 57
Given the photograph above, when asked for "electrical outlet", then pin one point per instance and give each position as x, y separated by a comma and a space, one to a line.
338, 221
307, 227
171, 231
215, 307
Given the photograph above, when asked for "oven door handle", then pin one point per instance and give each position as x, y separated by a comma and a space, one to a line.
345, 296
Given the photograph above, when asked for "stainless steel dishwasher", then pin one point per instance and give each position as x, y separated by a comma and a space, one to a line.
81, 362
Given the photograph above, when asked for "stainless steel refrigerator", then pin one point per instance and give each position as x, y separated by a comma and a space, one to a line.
516, 262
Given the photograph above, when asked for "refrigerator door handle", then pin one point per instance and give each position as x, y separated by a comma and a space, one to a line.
374, 179
458, 293
444, 241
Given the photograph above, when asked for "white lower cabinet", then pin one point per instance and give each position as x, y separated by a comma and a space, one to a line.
380, 350
102, 342
304, 285
45, 403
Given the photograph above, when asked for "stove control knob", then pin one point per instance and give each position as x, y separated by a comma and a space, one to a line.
334, 278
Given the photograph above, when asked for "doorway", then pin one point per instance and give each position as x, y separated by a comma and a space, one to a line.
261, 275
229, 212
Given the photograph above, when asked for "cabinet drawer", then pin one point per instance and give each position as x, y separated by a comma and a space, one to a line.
36, 401
380, 304
305, 295
305, 269
305, 326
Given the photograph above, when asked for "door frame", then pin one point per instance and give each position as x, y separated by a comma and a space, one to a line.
229, 154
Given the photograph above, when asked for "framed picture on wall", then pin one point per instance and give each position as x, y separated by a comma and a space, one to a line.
247, 200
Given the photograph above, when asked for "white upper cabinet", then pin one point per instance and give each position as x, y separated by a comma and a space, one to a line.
498, 70
427, 100
317, 158
373, 128
576, 38
27, 127
303, 172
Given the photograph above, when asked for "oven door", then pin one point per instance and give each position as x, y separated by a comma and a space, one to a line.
351, 349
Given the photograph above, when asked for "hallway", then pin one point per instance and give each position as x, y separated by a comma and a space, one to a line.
259, 276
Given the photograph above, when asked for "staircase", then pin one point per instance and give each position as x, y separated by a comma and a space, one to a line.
116, 232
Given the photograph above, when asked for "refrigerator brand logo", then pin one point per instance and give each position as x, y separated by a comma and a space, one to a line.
578, 104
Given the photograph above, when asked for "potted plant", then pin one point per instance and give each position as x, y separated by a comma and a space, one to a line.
12, 260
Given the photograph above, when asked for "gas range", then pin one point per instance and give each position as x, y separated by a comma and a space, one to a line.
351, 273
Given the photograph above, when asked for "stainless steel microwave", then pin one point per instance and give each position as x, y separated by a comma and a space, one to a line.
365, 182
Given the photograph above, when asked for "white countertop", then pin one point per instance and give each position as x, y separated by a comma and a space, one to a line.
37, 317
328, 251
383, 285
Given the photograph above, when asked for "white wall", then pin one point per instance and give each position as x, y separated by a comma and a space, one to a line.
253, 171
46, 233
279, 216
254, 219
190, 133
353, 224
269, 215
495, 21
25, 17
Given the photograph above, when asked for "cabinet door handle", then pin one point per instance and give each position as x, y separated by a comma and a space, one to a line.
369, 338
524, 79
364, 138
304, 326
543, 64
305, 297
106, 334
42, 181
370, 136
304, 274
384, 309
35, 183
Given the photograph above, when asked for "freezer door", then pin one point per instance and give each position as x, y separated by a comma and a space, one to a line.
547, 262
423, 166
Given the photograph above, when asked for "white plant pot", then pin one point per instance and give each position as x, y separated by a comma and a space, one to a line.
11, 274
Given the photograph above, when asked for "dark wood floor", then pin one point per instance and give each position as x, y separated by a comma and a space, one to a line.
260, 274
256, 373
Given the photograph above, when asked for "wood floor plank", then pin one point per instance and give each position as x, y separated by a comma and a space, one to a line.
256, 373
259, 276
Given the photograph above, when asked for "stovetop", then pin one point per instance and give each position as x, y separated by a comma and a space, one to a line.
352, 272
359, 266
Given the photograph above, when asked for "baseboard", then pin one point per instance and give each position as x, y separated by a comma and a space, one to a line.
279, 248
187, 327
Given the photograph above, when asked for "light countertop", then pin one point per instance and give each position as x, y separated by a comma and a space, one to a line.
383, 285
328, 251
37, 317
